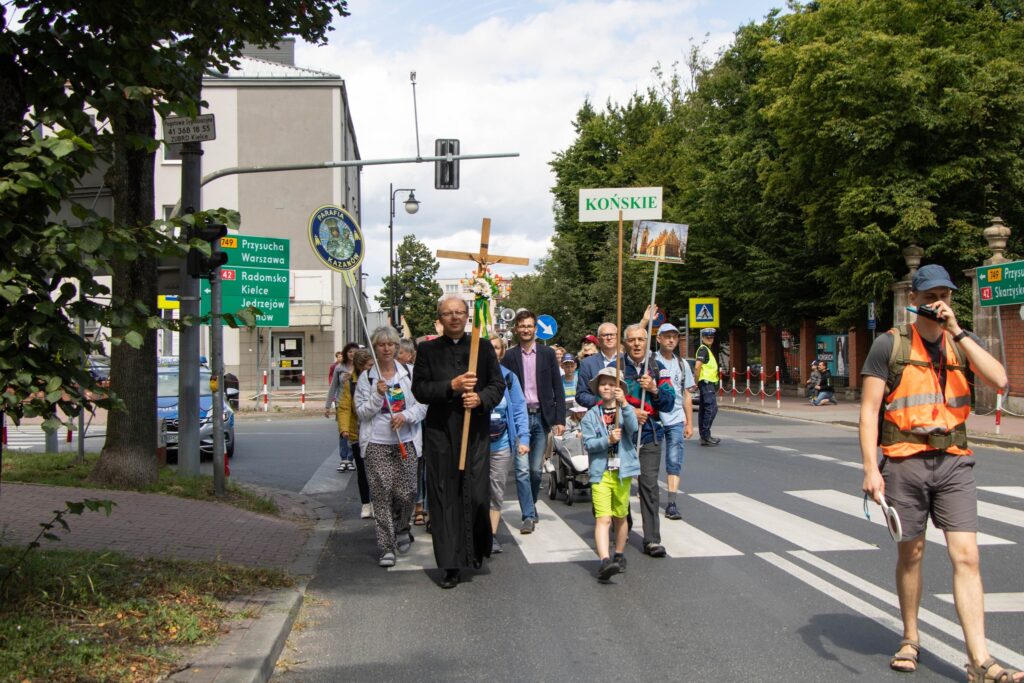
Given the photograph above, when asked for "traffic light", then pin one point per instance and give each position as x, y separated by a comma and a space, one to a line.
199, 264
446, 173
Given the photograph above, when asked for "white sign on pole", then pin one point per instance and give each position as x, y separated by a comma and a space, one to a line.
604, 204
179, 129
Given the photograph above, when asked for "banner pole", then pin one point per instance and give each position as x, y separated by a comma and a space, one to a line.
647, 356
350, 282
618, 316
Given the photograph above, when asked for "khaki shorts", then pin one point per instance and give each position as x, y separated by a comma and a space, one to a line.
937, 485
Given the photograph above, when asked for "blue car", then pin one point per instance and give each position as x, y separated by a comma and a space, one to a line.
167, 409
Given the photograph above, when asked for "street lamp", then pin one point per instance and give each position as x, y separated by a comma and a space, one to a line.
412, 205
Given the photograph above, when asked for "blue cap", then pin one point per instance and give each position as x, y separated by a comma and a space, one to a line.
708, 332
668, 327
568, 358
931, 276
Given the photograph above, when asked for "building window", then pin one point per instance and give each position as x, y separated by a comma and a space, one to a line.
172, 153
451, 289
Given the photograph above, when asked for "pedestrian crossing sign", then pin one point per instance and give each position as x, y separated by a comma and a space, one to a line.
704, 312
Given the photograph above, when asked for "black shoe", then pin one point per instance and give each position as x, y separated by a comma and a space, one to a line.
654, 550
609, 568
528, 526
620, 560
715, 440
672, 512
451, 578
496, 548
708, 442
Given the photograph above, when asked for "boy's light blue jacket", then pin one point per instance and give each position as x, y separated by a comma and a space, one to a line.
595, 439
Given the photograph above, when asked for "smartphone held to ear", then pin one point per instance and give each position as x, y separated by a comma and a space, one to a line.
924, 312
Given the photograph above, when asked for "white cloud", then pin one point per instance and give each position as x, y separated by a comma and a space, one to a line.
501, 77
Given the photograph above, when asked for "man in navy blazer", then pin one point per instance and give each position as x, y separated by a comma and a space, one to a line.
537, 369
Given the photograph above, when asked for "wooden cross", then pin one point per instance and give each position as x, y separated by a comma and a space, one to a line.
483, 259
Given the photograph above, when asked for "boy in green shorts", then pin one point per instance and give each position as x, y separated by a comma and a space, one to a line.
609, 435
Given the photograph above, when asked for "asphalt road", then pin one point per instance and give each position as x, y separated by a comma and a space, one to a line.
773, 573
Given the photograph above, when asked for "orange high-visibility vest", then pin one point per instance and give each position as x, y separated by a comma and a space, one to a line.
917, 416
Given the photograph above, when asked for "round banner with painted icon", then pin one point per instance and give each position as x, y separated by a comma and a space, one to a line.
336, 238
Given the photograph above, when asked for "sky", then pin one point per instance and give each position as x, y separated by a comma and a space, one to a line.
500, 76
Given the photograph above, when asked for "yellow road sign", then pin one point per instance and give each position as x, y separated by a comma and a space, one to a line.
167, 303
704, 312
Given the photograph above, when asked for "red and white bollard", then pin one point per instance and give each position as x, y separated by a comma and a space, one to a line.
302, 396
778, 389
999, 410
721, 382
761, 392
746, 392
266, 396
734, 385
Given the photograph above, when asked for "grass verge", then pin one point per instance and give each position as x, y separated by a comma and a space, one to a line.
83, 616
64, 469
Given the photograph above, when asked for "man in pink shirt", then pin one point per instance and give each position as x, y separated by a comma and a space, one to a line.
537, 369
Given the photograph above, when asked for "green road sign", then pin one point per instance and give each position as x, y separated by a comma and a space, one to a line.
275, 311
256, 274
256, 252
1001, 285
250, 282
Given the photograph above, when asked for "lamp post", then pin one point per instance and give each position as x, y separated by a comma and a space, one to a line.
412, 205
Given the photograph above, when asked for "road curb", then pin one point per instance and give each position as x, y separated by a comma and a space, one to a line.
981, 438
249, 653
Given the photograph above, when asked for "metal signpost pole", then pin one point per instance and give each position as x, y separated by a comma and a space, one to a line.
217, 367
188, 367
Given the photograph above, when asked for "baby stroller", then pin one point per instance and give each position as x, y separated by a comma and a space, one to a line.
569, 463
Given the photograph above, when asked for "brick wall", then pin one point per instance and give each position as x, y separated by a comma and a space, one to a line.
1013, 338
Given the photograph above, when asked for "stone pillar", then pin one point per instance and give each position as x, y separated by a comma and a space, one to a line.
737, 354
769, 354
986, 319
808, 351
858, 344
901, 290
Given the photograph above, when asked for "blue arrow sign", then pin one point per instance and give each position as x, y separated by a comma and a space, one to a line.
546, 327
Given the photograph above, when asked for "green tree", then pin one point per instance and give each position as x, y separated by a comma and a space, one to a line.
122, 62
897, 123
413, 288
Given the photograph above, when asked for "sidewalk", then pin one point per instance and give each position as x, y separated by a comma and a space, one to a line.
981, 429
157, 525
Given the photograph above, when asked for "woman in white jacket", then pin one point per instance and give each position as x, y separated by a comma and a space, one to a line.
390, 439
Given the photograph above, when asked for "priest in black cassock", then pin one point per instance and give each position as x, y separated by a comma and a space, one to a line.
443, 381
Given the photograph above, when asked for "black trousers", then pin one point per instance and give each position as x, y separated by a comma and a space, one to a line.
707, 407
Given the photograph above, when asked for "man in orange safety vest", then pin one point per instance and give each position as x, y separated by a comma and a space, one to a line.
915, 379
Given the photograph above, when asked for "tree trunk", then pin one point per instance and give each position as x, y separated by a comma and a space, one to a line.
128, 458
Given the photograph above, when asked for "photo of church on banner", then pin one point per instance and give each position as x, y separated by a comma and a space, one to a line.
657, 241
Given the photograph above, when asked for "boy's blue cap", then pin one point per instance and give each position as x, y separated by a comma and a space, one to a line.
931, 276
568, 358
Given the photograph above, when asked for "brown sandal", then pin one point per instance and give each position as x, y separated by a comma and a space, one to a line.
912, 658
980, 674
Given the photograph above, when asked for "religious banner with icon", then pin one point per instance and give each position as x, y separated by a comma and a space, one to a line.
336, 239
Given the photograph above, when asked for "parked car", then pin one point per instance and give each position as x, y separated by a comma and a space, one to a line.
99, 368
167, 409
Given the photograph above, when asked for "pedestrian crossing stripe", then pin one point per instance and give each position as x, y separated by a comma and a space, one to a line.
556, 541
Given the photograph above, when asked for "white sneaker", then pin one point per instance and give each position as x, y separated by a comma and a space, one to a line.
367, 511
342, 467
